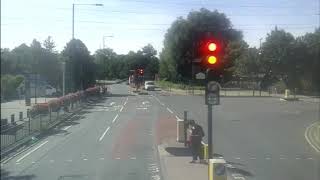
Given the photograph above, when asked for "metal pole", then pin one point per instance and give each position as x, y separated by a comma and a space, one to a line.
185, 118
63, 78
72, 21
210, 133
35, 89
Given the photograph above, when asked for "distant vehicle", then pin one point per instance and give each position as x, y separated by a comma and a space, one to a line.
149, 85
50, 91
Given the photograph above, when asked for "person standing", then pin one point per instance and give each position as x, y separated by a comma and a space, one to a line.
196, 138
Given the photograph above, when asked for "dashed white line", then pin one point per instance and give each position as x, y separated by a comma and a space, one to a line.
85, 159
237, 158
310, 158
267, 158
24, 156
117, 158
133, 158
170, 110
115, 118
101, 158
121, 109
104, 133
125, 103
69, 160
66, 128
112, 103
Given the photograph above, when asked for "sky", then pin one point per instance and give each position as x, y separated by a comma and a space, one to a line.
127, 25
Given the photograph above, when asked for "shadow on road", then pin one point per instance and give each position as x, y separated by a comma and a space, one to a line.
178, 151
5, 175
236, 170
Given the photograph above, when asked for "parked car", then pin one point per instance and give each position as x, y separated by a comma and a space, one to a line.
149, 85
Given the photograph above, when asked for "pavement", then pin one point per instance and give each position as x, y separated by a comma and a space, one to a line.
131, 136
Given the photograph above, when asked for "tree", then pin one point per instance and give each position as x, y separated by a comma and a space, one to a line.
49, 44
179, 43
79, 66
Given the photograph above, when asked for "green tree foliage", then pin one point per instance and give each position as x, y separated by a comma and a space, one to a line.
49, 44
34, 59
178, 51
80, 66
9, 85
295, 61
113, 66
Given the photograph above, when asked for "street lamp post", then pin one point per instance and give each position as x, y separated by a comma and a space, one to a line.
73, 6
103, 41
63, 78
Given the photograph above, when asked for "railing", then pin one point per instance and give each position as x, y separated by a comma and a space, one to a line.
13, 133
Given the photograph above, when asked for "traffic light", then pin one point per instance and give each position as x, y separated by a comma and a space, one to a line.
211, 58
141, 72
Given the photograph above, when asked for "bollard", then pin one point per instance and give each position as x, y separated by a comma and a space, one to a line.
204, 151
217, 169
12, 119
20, 116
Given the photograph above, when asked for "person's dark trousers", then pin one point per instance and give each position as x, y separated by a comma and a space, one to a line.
195, 150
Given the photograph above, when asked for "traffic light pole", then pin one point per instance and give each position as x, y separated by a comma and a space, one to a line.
210, 133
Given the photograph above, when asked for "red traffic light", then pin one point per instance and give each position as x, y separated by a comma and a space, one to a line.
212, 46
140, 71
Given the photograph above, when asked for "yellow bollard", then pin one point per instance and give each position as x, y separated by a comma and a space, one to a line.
217, 169
287, 93
205, 151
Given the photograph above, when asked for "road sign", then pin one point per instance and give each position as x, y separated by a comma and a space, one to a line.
200, 75
213, 93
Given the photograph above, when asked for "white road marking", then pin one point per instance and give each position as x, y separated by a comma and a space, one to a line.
155, 177
66, 128
33, 162
170, 110
253, 158
125, 103
145, 102
117, 158
237, 158
114, 119
69, 160
310, 158
307, 138
298, 158
142, 108
101, 158
17, 163
121, 109
178, 118
51, 161
85, 159
133, 158
24, 156
112, 103
104, 133
267, 158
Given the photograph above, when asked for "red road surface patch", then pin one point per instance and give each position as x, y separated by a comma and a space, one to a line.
165, 129
127, 139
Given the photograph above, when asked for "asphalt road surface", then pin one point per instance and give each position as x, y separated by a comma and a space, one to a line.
114, 138
111, 139
261, 138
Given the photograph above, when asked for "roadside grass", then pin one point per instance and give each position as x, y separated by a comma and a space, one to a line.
171, 85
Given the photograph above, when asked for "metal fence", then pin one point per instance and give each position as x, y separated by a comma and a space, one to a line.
31, 126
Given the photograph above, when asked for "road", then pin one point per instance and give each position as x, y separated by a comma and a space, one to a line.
261, 138
114, 138
111, 139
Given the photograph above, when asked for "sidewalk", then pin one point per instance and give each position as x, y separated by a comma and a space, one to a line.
175, 163
174, 157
